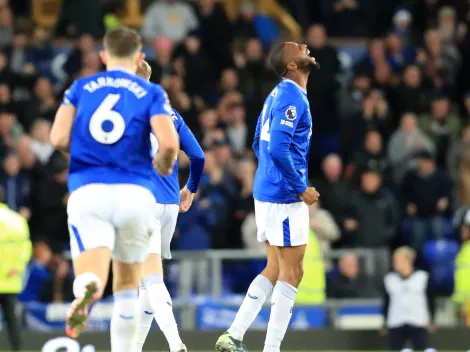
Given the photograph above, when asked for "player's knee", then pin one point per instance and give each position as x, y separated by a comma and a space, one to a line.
292, 274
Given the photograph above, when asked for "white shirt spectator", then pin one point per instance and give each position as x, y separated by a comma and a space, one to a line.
172, 19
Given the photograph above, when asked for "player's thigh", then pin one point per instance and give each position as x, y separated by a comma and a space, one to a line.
397, 338
132, 218
126, 276
92, 235
261, 215
170, 217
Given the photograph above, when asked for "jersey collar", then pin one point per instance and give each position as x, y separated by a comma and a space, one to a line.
121, 69
291, 81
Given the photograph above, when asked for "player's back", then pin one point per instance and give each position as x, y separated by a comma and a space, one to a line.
286, 109
113, 111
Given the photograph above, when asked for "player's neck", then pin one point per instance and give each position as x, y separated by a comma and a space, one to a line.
121, 64
301, 80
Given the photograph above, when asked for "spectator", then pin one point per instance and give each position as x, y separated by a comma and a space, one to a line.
409, 304
350, 100
237, 129
243, 216
17, 53
334, 191
16, 186
372, 217
243, 27
173, 19
161, 64
403, 145
410, 96
74, 62
6, 27
457, 152
350, 18
15, 247
463, 180
44, 103
398, 55
441, 126
376, 55
80, 17
350, 283
461, 295
372, 155
40, 145
179, 99
427, 194
402, 21
36, 273
325, 228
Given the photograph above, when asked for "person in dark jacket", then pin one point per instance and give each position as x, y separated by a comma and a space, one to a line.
372, 216
350, 283
426, 193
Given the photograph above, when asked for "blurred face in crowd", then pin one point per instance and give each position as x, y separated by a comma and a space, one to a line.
426, 166
43, 88
408, 123
42, 253
24, 152
5, 94
393, 43
92, 61
382, 72
368, 104
433, 41
210, 163
86, 43
373, 142
440, 108
466, 134
316, 36
332, 167
7, 120
349, 266
41, 130
229, 80
12, 165
223, 155
3, 61
208, 119
163, 48
377, 49
412, 76
254, 50
176, 84
402, 263
20, 40
238, 115
361, 83
371, 182
6, 17
446, 19
192, 44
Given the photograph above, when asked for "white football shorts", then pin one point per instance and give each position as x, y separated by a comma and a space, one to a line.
114, 216
282, 225
166, 216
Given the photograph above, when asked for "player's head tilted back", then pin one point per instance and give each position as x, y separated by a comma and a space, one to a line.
144, 70
122, 48
290, 58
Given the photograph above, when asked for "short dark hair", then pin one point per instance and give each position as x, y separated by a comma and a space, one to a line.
144, 70
122, 42
277, 60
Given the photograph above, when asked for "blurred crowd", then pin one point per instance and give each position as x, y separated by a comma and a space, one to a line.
391, 142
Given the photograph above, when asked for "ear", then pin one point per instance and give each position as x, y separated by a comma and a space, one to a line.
291, 66
104, 57
140, 57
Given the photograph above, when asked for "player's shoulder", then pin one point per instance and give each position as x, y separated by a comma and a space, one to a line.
290, 94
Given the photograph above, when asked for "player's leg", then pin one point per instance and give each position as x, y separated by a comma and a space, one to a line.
132, 214
259, 290
291, 240
157, 292
92, 238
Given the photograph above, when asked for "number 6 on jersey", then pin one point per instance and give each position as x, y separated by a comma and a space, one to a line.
106, 125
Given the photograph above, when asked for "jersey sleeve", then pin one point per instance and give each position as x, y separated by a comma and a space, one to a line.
193, 150
71, 95
160, 102
255, 145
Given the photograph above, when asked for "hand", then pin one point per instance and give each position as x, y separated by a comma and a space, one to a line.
351, 225
383, 332
442, 204
62, 269
310, 196
186, 199
411, 209
432, 328
204, 203
162, 166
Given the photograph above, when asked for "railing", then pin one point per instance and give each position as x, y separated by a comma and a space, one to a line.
212, 261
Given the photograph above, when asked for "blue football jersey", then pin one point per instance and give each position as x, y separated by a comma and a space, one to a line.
282, 144
109, 140
167, 189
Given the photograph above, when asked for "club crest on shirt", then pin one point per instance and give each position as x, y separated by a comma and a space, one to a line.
291, 113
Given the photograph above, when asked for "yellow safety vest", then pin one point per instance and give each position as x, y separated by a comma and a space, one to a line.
312, 288
462, 275
15, 249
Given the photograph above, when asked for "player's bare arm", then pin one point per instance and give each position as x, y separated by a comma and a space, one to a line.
168, 142
62, 127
